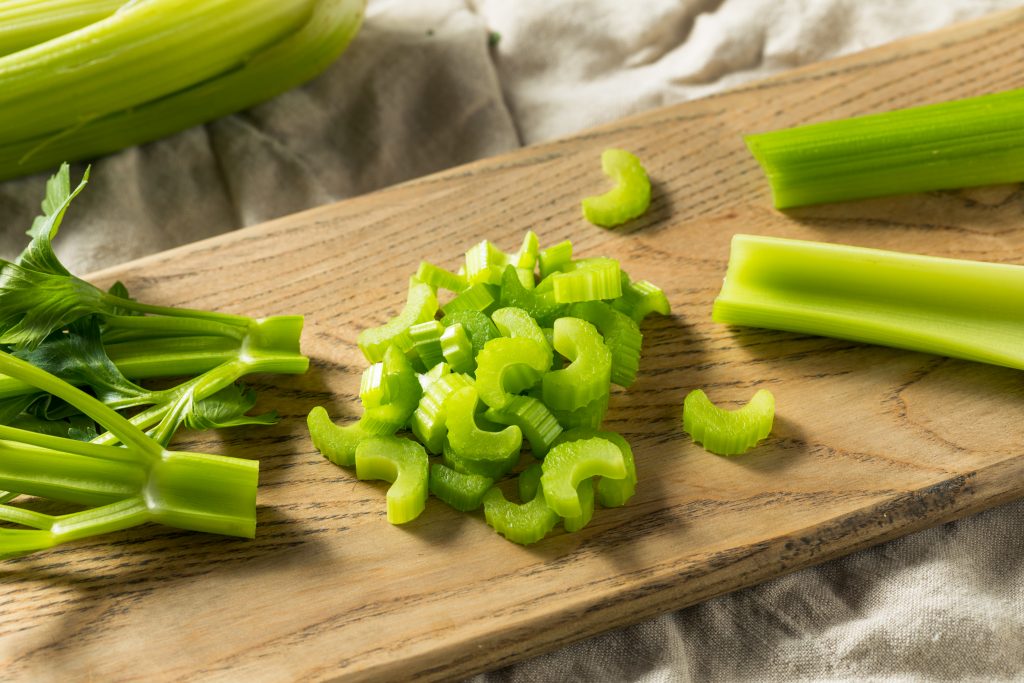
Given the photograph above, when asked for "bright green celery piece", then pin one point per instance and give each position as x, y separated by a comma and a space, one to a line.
428, 378
464, 492
492, 469
477, 297
587, 280
120, 81
457, 349
974, 141
586, 378
523, 523
526, 258
958, 308
629, 198
540, 304
426, 342
466, 438
529, 484
728, 432
137, 482
477, 325
621, 335
640, 299
507, 366
24, 23
554, 258
569, 463
485, 263
517, 323
536, 421
590, 415
429, 420
402, 462
439, 278
610, 492
420, 307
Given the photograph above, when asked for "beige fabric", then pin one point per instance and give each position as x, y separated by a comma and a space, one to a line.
421, 90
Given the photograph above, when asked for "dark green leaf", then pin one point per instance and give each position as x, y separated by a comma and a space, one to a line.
39, 255
226, 408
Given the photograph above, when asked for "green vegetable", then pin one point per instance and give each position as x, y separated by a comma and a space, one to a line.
120, 80
538, 303
586, 379
429, 421
610, 492
470, 442
524, 523
425, 341
536, 421
728, 432
457, 349
640, 299
517, 323
554, 258
139, 481
476, 297
587, 280
629, 198
506, 367
951, 307
402, 462
24, 23
420, 307
974, 141
439, 278
569, 463
464, 492
529, 485
621, 335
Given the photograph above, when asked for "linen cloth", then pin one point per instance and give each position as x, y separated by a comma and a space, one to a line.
423, 88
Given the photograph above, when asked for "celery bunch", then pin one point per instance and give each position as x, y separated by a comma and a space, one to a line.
86, 77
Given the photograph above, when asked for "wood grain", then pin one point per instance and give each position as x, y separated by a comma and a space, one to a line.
870, 443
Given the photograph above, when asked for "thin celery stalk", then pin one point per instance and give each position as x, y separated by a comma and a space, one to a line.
24, 23
951, 307
961, 143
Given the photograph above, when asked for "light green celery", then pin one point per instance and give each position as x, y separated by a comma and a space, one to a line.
283, 55
457, 349
420, 307
728, 432
490, 468
429, 420
610, 492
130, 484
526, 258
640, 299
586, 378
464, 492
539, 303
621, 335
477, 297
439, 278
523, 523
468, 440
628, 199
569, 463
587, 280
402, 462
961, 143
485, 263
477, 325
508, 366
964, 309
426, 343
589, 416
554, 258
529, 484
24, 23
516, 323
538, 424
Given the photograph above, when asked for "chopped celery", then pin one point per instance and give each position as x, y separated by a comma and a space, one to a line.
426, 342
554, 258
586, 378
640, 299
420, 307
610, 492
467, 439
973, 141
569, 463
526, 258
628, 199
523, 523
464, 492
477, 325
515, 323
402, 462
439, 278
490, 468
587, 280
529, 485
621, 335
536, 421
509, 366
728, 432
951, 307
485, 263
429, 421
457, 349
476, 297
590, 415
539, 304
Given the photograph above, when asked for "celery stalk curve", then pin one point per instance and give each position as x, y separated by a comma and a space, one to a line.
961, 143
951, 307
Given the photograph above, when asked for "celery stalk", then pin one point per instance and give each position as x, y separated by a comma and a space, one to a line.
24, 23
951, 307
974, 141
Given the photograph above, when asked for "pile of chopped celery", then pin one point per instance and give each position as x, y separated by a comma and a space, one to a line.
515, 349
104, 443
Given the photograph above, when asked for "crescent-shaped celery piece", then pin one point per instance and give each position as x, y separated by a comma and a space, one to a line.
639, 299
515, 323
522, 523
538, 302
485, 263
464, 492
536, 421
457, 349
586, 379
247, 52
492, 469
529, 484
467, 440
610, 492
728, 432
429, 420
420, 307
439, 278
951, 307
587, 280
589, 416
629, 198
507, 366
425, 341
402, 462
554, 258
569, 463
477, 297
621, 335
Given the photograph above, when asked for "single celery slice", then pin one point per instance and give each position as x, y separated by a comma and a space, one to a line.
420, 307
435, 373
536, 421
586, 378
476, 297
974, 141
507, 366
538, 302
426, 342
468, 441
391, 409
485, 263
524, 523
336, 443
526, 257
610, 492
621, 335
429, 420
628, 199
640, 299
728, 432
963, 309
439, 278
477, 325
587, 280
516, 323
464, 492
529, 484
569, 463
457, 349
492, 469
554, 258
402, 462
590, 415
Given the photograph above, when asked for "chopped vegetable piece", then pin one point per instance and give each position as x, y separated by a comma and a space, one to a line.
426, 342
640, 299
516, 323
590, 415
610, 492
508, 366
468, 440
477, 325
629, 198
492, 469
951, 307
536, 421
529, 485
541, 305
569, 463
621, 335
429, 420
476, 297
728, 432
420, 307
554, 258
457, 349
524, 523
588, 280
439, 278
973, 141
526, 258
336, 443
464, 492
586, 378
402, 462
485, 263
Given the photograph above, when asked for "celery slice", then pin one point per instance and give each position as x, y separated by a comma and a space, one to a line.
587, 280
529, 484
958, 308
457, 349
477, 325
728, 432
390, 410
402, 462
464, 492
426, 342
492, 469
420, 307
628, 199
974, 141
429, 420
485, 263
523, 523
526, 258
621, 335
586, 378
539, 303
508, 366
439, 278
569, 463
538, 424
554, 258
640, 299
476, 297
590, 415
610, 492
516, 323
468, 440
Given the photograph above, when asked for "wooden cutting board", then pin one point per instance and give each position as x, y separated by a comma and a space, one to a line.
869, 444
